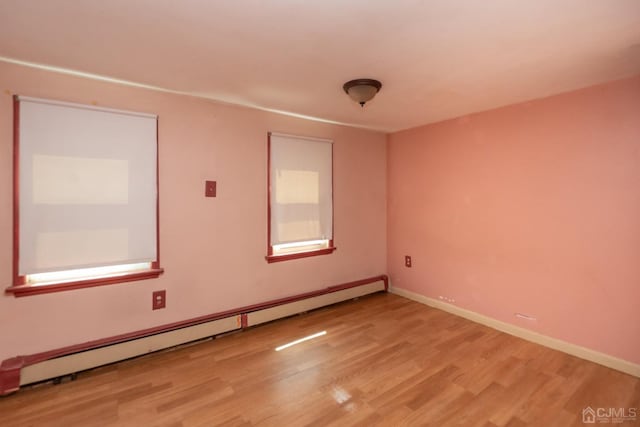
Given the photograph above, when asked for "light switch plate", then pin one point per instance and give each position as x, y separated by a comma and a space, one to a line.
210, 189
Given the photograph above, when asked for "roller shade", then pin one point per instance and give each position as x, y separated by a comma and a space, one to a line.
87, 186
301, 196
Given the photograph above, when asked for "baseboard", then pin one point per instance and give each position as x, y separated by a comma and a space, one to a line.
21, 370
554, 343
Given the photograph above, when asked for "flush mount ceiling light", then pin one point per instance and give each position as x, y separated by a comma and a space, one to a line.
362, 90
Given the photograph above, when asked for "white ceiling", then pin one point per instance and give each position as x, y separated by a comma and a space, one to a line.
436, 59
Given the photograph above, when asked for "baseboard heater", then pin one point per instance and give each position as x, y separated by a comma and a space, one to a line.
23, 370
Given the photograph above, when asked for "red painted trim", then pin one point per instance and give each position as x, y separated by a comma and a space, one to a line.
269, 247
156, 264
333, 217
296, 255
244, 320
17, 279
26, 290
10, 368
20, 288
10, 374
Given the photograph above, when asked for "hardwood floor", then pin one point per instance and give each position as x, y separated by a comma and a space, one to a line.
384, 361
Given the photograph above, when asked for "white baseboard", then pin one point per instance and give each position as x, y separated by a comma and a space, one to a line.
554, 343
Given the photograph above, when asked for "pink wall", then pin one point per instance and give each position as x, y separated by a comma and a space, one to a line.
532, 208
212, 249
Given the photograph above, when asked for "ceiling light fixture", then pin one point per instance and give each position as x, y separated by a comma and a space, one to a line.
362, 90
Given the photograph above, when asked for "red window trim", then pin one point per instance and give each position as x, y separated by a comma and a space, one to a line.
20, 287
286, 257
296, 255
17, 279
26, 290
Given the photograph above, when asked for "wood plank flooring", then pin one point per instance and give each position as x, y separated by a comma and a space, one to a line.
384, 361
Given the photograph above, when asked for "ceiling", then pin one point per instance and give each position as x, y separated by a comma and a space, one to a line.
436, 59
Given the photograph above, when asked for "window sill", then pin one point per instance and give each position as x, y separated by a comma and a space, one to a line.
26, 290
297, 255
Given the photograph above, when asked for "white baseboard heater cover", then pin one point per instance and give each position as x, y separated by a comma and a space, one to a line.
110, 353
77, 362
295, 307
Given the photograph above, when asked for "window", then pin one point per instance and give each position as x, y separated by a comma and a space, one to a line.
300, 197
85, 196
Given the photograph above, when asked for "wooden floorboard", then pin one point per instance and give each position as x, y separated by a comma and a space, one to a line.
384, 361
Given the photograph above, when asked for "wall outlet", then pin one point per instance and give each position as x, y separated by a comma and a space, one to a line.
407, 261
159, 300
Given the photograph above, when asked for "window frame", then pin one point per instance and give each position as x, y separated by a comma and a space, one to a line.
330, 246
20, 286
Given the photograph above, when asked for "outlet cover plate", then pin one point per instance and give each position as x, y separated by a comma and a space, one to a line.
159, 300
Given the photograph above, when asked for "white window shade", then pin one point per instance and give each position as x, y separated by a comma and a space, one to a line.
87, 186
301, 194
